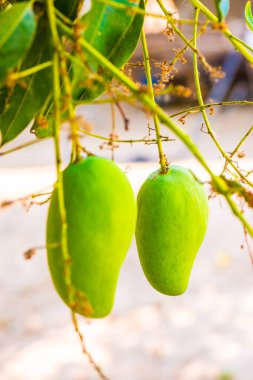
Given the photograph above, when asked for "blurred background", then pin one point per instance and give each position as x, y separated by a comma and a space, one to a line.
205, 334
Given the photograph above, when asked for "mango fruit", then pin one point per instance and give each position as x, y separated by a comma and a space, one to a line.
101, 215
171, 225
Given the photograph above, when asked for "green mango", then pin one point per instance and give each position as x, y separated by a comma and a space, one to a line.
171, 225
101, 215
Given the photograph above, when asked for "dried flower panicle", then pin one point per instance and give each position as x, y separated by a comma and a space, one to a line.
110, 144
240, 154
169, 32
83, 124
29, 253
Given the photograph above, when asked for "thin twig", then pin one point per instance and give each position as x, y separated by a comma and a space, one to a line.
85, 351
248, 246
145, 140
22, 146
203, 111
14, 76
172, 22
237, 147
199, 108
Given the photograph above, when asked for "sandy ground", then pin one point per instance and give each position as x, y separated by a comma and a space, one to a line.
205, 334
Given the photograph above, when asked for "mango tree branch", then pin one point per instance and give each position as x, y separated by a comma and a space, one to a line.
135, 10
228, 196
238, 45
218, 182
203, 111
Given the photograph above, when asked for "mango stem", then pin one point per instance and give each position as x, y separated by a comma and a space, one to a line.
162, 158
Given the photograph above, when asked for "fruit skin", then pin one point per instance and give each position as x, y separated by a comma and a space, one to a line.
171, 225
101, 214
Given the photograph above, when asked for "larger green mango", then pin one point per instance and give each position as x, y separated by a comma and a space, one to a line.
171, 225
101, 214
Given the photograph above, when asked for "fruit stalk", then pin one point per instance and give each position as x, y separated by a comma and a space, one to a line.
57, 120
76, 148
25, 73
162, 159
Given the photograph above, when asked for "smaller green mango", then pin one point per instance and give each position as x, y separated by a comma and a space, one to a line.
171, 225
101, 214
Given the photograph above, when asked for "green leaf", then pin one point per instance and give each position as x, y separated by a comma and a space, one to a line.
69, 8
17, 31
114, 32
27, 101
248, 15
222, 7
3, 95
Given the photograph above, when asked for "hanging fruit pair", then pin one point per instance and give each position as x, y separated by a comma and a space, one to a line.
101, 212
